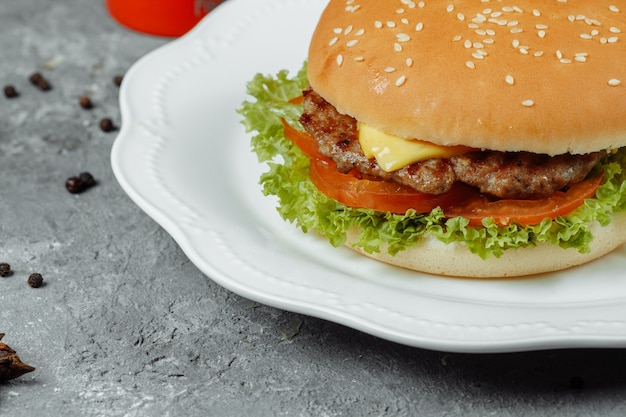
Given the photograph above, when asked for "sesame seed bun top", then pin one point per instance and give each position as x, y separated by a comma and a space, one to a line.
521, 75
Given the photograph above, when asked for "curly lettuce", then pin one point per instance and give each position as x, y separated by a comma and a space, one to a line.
301, 203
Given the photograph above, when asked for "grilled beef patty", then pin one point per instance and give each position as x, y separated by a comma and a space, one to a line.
519, 175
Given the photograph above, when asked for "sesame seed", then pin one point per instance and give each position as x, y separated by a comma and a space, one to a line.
565, 61
538, 53
400, 80
339, 59
337, 30
409, 62
457, 38
528, 103
391, 24
378, 24
541, 26
390, 69
403, 37
450, 8
536, 13
499, 22
419, 27
477, 55
348, 30
460, 16
333, 41
580, 58
467, 43
470, 65
559, 54
613, 82
509, 80
613, 29
479, 19
541, 34
359, 58
352, 42
614, 8
586, 36
397, 47
612, 39
359, 32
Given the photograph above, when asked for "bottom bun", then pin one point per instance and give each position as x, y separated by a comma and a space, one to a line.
435, 257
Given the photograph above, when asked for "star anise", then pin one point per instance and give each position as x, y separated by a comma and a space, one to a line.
11, 366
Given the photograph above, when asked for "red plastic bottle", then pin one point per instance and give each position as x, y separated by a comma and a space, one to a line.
171, 18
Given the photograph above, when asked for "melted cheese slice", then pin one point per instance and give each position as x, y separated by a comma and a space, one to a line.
393, 152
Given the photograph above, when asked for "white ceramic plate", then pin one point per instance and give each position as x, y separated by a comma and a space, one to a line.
183, 157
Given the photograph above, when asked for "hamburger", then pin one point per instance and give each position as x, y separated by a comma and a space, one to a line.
464, 138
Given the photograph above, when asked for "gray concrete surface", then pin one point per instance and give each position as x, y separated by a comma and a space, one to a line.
127, 326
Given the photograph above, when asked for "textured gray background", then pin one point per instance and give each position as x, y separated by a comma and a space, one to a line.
127, 326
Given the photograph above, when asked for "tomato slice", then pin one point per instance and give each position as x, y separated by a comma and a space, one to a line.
389, 196
526, 212
355, 190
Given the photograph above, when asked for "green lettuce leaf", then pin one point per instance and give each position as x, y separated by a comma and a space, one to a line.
301, 203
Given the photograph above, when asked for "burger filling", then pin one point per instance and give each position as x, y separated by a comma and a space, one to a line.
506, 175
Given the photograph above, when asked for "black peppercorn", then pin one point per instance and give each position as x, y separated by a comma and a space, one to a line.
117, 80
76, 185
106, 125
85, 102
5, 269
87, 179
35, 280
40, 82
10, 92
